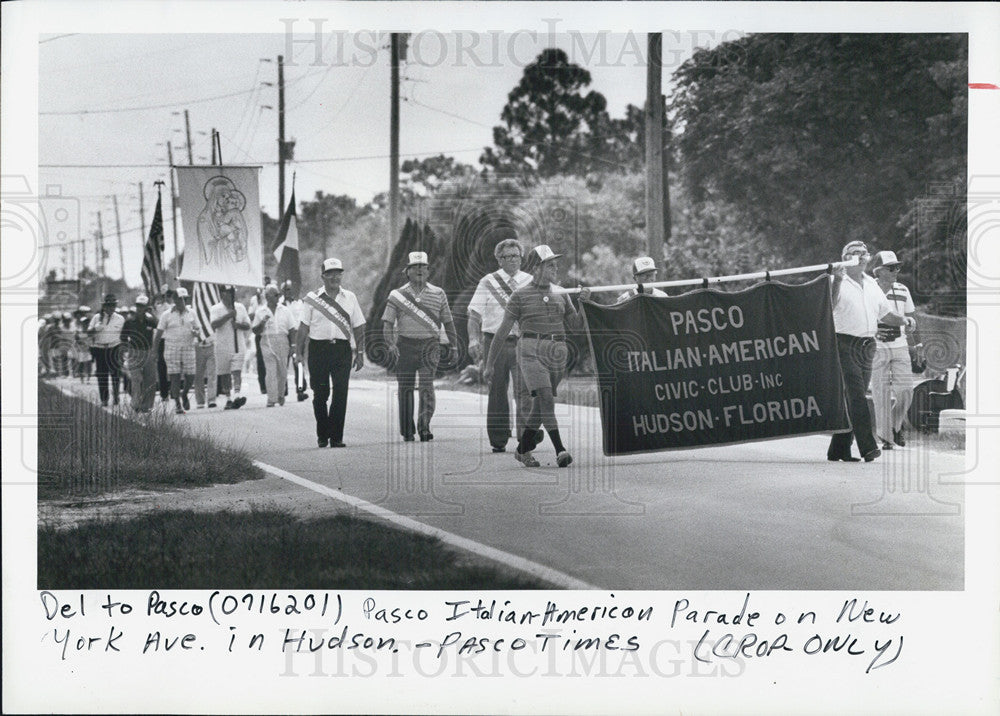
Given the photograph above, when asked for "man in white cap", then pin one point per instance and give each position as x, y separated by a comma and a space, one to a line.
274, 324
858, 307
643, 271
334, 326
105, 332
486, 312
137, 335
892, 376
178, 328
541, 351
412, 321
231, 324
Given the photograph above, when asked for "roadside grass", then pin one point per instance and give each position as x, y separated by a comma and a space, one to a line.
84, 449
262, 549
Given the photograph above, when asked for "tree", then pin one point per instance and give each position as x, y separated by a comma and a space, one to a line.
818, 139
550, 127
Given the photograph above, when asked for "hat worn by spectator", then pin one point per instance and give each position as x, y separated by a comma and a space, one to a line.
271, 289
110, 298
181, 292
885, 259
83, 309
643, 264
332, 265
142, 300
417, 258
853, 246
543, 253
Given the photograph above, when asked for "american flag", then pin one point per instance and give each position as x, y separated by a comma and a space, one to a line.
152, 259
205, 296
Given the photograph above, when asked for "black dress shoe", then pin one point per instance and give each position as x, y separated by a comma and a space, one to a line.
897, 437
407, 438
499, 448
844, 458
322, 442
337, 444
886, 445
872, 454
424, 437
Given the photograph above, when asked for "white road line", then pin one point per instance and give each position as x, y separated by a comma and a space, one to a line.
511, 560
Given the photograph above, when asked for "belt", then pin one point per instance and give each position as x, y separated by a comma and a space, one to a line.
334, 341
544, 336
510, 336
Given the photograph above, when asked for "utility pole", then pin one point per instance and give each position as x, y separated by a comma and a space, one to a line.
654, 145
99, 248
187, 129
281, 135
173, 206
213, 147
393, 148
118, 230
142, 210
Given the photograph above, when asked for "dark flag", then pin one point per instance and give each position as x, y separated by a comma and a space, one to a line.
286, 248
205, 296
152, 259
709, 368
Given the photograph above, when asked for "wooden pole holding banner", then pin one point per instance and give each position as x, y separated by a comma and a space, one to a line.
118, 231
173, 210
393, 147
853, 261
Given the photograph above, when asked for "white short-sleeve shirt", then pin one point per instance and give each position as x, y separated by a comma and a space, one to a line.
859, 307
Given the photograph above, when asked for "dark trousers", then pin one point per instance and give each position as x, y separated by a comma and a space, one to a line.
161, 372
261, 369
106, 365
498, 422
418, 357
856, 356
329, 376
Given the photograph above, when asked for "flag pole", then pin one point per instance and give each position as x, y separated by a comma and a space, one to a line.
853, 261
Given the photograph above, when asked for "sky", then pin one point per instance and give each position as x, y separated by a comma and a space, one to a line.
109, 103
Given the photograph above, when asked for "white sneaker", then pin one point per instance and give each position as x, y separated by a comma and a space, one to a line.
526, 459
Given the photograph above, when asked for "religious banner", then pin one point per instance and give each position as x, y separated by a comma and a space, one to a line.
220, 213
710, 368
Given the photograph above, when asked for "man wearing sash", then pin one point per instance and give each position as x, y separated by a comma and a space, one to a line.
335, 328
412, 321
486, 311
541, 351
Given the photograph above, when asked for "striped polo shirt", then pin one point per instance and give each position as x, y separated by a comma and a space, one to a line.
539, 310
432, 301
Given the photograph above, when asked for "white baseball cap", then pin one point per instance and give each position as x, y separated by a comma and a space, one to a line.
417, 258
544, 253
883, 259
332, 265
643, 264
142, 300
181, 292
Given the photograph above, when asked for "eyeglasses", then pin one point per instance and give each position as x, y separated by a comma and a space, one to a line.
510, 256
859, 254
892, 269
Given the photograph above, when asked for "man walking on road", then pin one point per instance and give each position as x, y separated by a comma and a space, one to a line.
137, 334
412, 323
486, 312
178, 329
892, 377
231, 324
334, 326
273, 323
289, 298
541, 351
858, 307
105, 332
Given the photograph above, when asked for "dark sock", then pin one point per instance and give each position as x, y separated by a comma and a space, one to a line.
527, 441
556, 441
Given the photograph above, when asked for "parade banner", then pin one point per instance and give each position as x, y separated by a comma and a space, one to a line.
220, 213
710, 368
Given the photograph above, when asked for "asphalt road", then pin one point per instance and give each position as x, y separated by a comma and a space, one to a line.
771, 515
